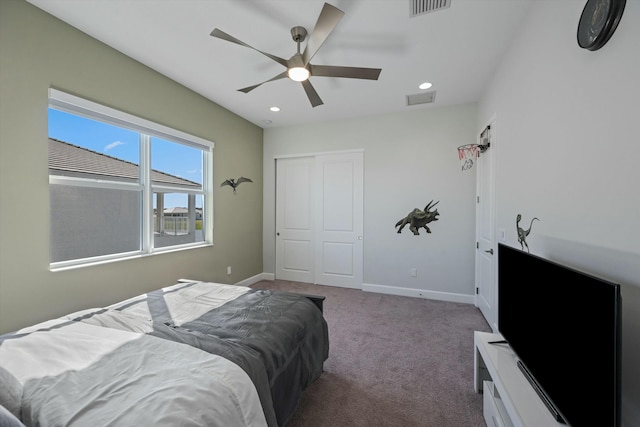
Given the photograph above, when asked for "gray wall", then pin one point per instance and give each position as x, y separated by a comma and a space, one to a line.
567, 153
410, 158
38, 52
74, 213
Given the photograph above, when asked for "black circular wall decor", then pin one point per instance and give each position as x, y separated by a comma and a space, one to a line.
598, 22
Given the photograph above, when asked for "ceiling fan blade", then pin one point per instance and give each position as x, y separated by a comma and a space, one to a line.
313, 96
250, 88
327, 21
224, 36
348, 72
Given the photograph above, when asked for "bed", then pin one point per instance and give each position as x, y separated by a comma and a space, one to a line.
195, 353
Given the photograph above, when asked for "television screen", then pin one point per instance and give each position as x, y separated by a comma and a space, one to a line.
565, 328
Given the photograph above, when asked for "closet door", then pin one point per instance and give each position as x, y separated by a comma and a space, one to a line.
339, 244
319, 219
295, 217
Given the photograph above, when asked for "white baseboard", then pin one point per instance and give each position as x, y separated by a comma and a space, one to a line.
255, 279
419, 293
383, 289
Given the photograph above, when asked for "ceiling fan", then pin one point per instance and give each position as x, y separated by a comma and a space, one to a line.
299, 67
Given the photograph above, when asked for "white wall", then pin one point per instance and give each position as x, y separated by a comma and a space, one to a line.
568, 154
409, 159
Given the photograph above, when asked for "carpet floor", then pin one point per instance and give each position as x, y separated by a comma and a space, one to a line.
393, 361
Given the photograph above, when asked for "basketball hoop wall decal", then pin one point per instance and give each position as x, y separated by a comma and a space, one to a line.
469, 153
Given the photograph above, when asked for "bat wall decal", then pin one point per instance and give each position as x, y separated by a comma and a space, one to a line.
233, 183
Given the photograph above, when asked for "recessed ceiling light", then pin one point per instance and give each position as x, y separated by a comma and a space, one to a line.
274, 109
425, 85
267, 122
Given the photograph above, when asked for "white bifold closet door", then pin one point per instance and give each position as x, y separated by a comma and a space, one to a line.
319, 219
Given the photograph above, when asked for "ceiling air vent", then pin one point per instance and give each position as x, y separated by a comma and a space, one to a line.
420, 7
421, 98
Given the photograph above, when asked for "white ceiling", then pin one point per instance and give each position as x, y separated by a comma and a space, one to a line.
457, 49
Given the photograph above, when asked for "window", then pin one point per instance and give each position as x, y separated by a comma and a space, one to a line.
121, 186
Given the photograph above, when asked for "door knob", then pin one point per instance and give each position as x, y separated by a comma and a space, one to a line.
490, 251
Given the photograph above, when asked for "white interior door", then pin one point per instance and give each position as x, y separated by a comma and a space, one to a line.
319, 219
295, 219
339, 229
486, 250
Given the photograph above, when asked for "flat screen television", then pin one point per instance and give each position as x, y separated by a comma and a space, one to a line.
564, 327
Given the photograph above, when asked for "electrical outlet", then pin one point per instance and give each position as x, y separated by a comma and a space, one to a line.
413, 272
229, 270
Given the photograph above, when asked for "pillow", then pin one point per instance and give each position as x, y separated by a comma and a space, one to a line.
10, 393
7, 419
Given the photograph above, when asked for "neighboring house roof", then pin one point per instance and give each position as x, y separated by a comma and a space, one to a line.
69, 159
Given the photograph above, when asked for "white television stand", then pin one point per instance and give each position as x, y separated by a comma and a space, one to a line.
509, 398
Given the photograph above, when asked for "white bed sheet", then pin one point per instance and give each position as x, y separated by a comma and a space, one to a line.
76, 374
184, 301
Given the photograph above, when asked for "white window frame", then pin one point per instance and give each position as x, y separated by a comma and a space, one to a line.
82, 107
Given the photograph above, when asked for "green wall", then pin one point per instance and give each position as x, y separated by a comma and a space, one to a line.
38, 51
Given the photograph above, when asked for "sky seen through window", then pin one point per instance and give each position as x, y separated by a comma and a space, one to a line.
168, 157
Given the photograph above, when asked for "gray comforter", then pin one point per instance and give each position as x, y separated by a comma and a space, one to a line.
288, 332
279, 339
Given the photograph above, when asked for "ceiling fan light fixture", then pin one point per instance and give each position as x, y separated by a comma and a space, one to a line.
298, 74
298, 67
